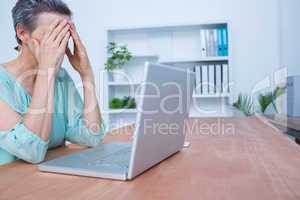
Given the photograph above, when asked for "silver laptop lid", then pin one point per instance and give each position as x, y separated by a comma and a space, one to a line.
166, 95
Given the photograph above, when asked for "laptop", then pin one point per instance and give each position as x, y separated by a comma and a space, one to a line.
166, 93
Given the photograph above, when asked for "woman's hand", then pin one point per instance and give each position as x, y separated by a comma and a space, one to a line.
79, 58
51, 50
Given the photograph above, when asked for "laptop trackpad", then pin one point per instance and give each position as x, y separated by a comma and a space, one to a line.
105, 161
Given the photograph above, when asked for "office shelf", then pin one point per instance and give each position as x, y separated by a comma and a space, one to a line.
123, 83
174, 45
122, 111
196, 60
199, 96
145, 56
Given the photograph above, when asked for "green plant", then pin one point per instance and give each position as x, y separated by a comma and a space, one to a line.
129, 102
265, 100
126, 102
116, 103
244, 104
119, 56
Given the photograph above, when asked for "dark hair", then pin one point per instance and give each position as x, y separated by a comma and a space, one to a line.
25, 12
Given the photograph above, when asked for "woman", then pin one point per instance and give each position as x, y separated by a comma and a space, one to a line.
40, 106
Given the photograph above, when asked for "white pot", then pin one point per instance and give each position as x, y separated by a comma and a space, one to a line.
119, 75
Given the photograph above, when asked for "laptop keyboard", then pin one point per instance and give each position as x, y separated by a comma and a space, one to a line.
121, 158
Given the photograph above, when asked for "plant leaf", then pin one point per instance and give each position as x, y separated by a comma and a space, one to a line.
244, 104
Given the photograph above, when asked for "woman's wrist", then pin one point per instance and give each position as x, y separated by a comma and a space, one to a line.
88, 82
49, 73
88, 75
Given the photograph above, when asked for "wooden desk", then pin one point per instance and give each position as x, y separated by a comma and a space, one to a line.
288, 125
251, 162
284, 121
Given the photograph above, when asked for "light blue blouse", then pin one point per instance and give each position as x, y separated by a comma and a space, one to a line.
67, 124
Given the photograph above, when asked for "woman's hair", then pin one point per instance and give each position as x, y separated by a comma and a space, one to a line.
25, 12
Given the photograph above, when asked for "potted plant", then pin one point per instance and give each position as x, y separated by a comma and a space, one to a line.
116, 103
129, 102
126, 103
245, 105
269, 98
119, 55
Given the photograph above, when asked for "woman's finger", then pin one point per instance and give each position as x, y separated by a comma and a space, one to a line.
75, 36
53, 25
36, 46
57, 30
64, 42
61, 35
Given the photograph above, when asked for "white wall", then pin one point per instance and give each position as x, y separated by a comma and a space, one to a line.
255, 28
290, 36
7, 36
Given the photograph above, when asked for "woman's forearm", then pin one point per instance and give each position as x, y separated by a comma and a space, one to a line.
49, 52
39, 116
91, 112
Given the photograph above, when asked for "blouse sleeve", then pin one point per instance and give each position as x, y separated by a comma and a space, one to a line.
23, 144
20, 141
77, 132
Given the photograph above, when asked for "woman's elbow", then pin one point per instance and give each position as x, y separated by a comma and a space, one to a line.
24, 144
95, 142
34, 158
36, 155
98, 137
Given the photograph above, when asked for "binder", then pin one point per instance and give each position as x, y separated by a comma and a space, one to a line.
211, 79
203, 43
204, 79
207, 43
218, 79
225, 41
211, 42
195, 84
198, 80
220, 42
215, 42
225, 77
